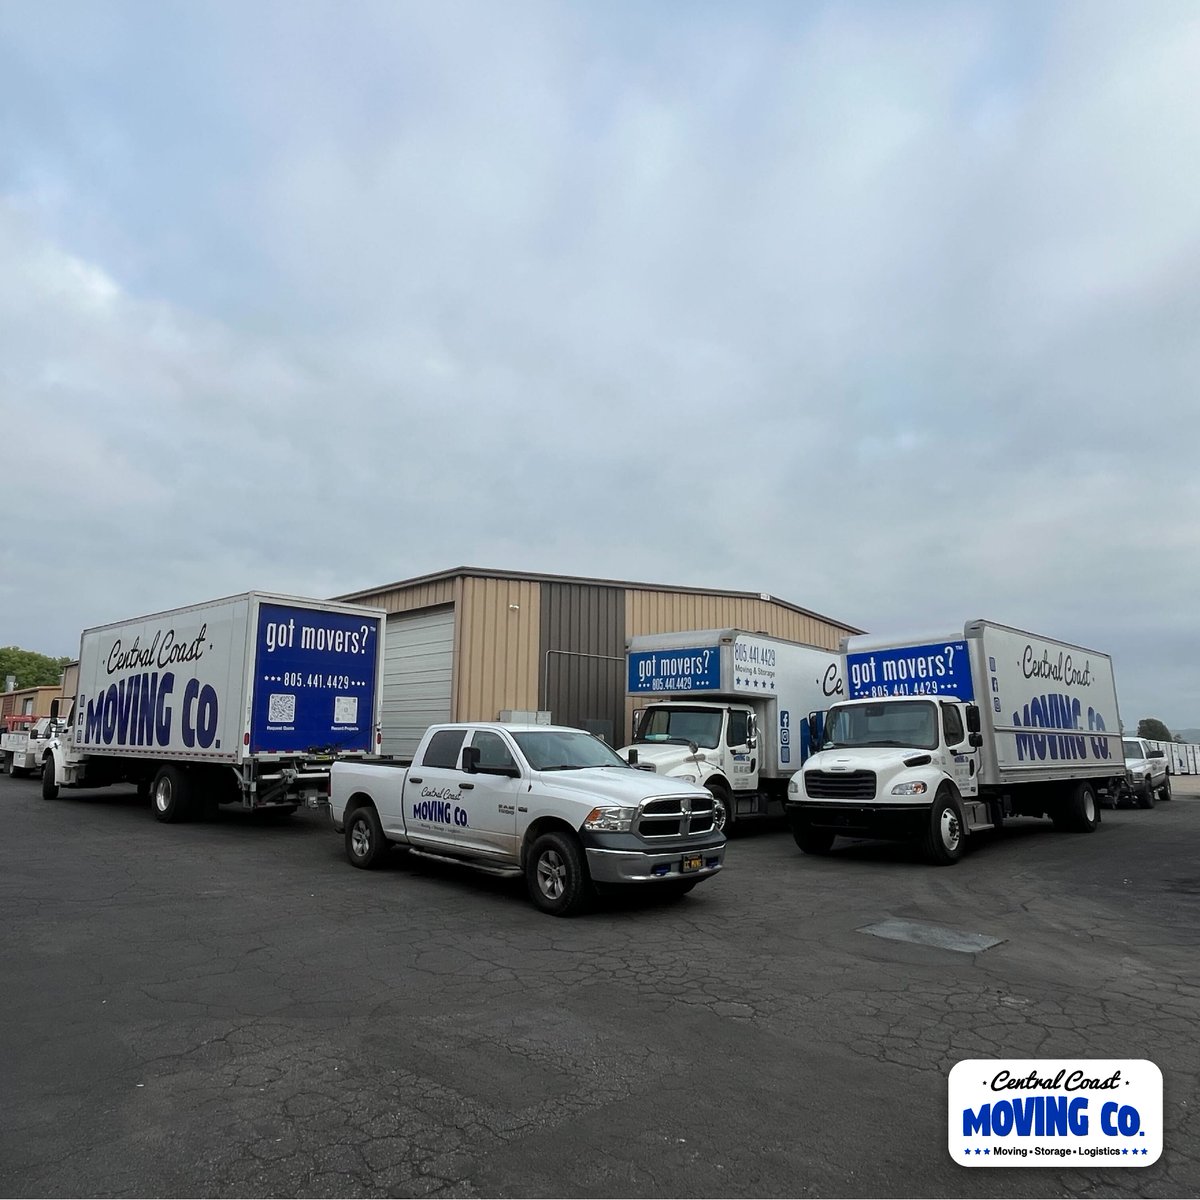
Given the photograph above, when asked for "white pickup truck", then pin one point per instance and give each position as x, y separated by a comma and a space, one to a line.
1147, 771
553, 804
23, 750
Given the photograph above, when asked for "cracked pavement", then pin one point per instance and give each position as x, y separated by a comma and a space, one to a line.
227, 1008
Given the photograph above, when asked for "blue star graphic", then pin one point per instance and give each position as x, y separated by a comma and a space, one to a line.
987, 1149
977, 1150
1124, 1151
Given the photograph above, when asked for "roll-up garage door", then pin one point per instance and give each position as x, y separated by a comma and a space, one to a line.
418, 666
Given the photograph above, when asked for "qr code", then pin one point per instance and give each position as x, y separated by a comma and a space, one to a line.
281, 708
345, 710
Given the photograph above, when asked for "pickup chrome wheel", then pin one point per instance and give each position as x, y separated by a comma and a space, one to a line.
1145, 795
365, 844
556, 875
1164, 792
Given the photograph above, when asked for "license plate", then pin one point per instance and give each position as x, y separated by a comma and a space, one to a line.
692, 862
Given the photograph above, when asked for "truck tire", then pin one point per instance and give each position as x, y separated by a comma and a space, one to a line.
366, 847
49, 787
723, 815
556, 875
1164, 792
946, 832
1145, 795
171, 795
813, 841
1080, 811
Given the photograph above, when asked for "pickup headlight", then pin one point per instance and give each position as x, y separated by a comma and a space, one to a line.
916, 788
685, 778
609, 820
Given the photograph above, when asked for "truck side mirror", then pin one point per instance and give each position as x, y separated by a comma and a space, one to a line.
54, 710
752, 732
1158, 754
814, 728
976, 740
633, 756
974, 722
470, 759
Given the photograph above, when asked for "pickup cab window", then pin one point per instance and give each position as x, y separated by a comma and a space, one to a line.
564, 750
443, 749
1133, 750
494, 755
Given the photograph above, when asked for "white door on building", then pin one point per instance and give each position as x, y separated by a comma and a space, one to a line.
418, 674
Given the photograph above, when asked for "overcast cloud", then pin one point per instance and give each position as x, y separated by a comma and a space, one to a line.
892, 311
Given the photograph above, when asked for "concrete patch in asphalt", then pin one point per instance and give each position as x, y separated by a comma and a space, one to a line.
931, 935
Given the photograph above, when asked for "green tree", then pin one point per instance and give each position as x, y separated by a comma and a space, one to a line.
30, 668
1154, 729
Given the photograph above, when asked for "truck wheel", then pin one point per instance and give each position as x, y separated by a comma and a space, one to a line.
723, 815
1145, 797
366, 847
49, 787
556, 876
171, 795
943, 842
813, 841
1164, 792
1081, 810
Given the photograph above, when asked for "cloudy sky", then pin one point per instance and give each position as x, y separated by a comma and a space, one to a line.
890, 310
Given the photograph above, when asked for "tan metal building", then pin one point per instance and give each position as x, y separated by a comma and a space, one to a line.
469, 644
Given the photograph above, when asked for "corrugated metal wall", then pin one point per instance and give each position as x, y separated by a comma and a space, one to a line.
403, 599
582, 657
498, 635
543, 643
666, 612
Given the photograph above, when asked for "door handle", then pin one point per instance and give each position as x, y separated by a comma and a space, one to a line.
466, 787
415, 779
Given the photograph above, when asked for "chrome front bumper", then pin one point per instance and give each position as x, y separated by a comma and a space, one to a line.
632, 866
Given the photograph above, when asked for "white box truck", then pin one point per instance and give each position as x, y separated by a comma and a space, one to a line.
245, 699
939, 738
728, 710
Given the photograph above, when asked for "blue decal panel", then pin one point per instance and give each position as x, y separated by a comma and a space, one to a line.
675, 670
937, 669
314, 680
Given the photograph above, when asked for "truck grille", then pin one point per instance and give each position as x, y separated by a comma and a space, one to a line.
674, 816
840, 785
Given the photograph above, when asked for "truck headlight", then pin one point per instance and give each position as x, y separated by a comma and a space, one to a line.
609, 820
793, 787
916, 788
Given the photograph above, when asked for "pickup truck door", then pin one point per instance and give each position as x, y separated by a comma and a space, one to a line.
492, 793
448, 809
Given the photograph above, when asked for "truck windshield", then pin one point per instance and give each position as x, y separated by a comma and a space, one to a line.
1133, 750
904, 723
682, 726
566, 750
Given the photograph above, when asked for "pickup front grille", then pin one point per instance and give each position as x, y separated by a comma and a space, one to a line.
674, 816
840, 785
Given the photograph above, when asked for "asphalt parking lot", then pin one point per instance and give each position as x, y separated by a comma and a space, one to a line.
229, 1009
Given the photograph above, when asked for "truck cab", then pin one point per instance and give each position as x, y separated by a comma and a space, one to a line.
714, 745
882, 764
